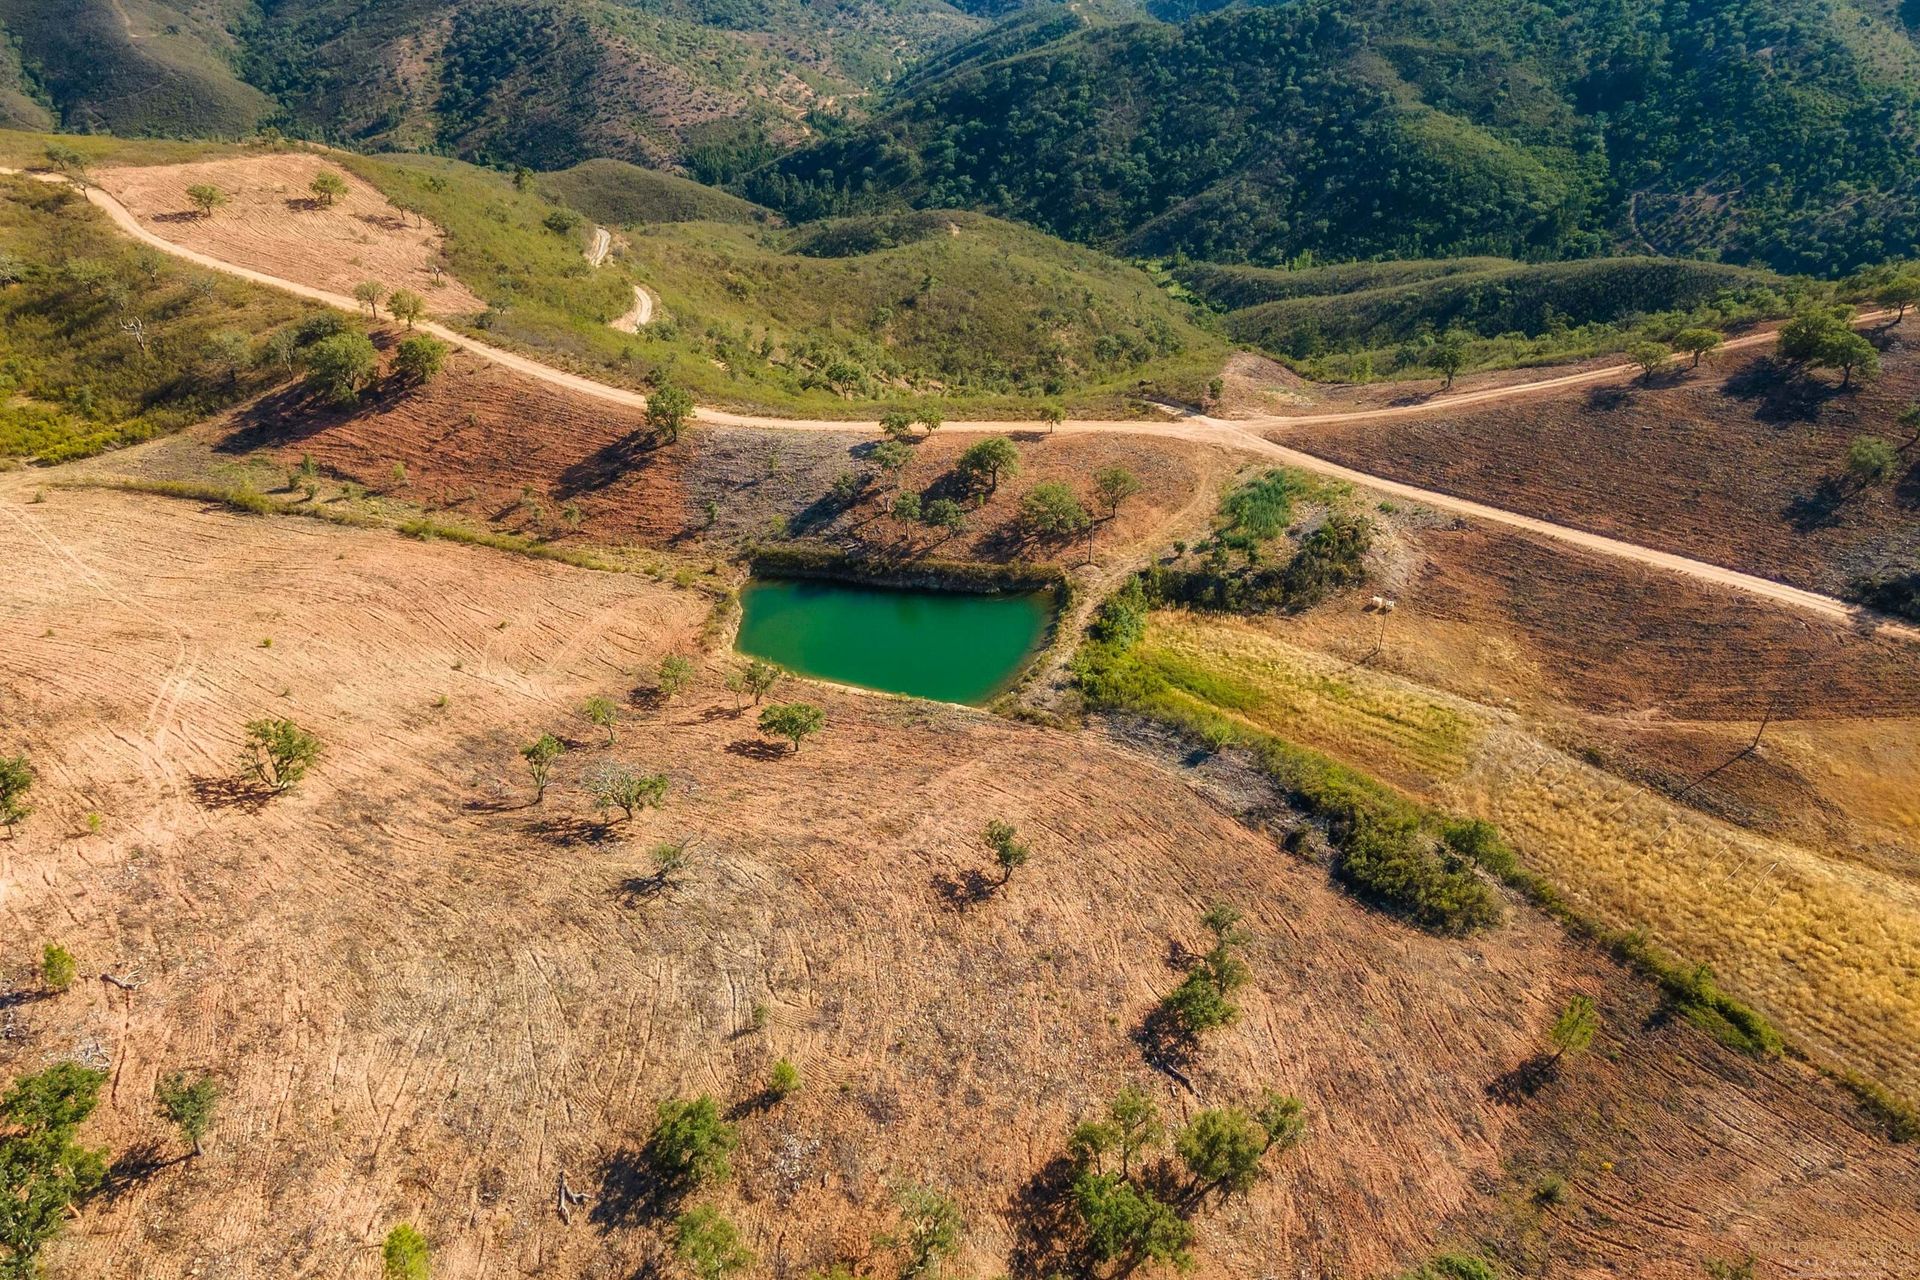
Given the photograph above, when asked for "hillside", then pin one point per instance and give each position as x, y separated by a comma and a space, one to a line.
428, 999
709, 85
620, 194
1364, 320
1743, 463
1763, 131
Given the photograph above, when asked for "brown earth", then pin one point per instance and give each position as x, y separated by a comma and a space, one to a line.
1661, 680
1741, 465
273, 223
426, 998
485, 442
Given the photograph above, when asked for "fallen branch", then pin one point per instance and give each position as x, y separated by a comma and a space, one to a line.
132, 982
568, 1198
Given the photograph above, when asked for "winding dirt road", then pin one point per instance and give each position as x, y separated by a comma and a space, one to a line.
1246, 435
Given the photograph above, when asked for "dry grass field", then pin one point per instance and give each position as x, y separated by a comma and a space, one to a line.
426, 997
1742, 464
274, 223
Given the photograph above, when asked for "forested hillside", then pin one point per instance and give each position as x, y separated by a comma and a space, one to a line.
713, 86
1769, 131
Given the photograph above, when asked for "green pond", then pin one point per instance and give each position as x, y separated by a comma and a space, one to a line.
951, 646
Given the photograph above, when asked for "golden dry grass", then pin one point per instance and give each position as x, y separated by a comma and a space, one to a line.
1829, 947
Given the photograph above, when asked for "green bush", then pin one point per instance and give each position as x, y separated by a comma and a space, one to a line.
691, 1143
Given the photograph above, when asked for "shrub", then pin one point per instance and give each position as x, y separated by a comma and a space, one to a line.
404, 1255
1008, 849
930, 1231
407, 306
602, 713
1125, 1222
57, 967
1871, 460
1388, 860
1050, 509
327, 186
1573, 1031
944, 513
783, 1081
691, 1143
16, 779
188, 1104
676, 673
668, 410
420, 357
340, 367
279, 752
46, 1172
709, 1244
1221, 1148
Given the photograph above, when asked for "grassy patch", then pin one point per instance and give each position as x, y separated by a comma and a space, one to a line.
618, 194
103, 343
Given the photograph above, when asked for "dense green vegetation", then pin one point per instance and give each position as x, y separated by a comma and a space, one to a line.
1367, 320
619, 194
103, 343
1364, 128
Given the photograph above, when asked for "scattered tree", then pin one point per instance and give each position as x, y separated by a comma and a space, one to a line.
1130, 1126
206, 198
1127, 1223
341, 367
1221, 1148
65, 159
1802, 338
57, 967
892, 456
988, 460
43, 1172
540, 755
793, 721
906, 508
616, 786
1283, 1118
1574, 1029
228, 351
404, 1254
561, 221
188, 1104
708, 1244
691, 1143
668, 410
1009, 850
1449, 356
897, 425
278, 752
759, 679
930, 419
368, 294
1200, 1003
602, 713
1651, 357
1050, 509
327, 186
929, 1234
1902, 291
420, 357
406, 306
16, 779
1053, 415
1113, 486
1697, 343
1851, 354
675, 674
944, 513
783, 1081
1871, 460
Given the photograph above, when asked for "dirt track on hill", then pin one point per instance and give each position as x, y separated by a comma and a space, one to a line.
1246, 435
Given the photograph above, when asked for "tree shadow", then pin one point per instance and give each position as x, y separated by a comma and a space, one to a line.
286, 416
1780, 390
1808, 512
568, 831
135, 1167
501, 805
721, 713
607, 464
963, 892
181, 215
757, 749
1906, 490
1044, 1226
304, 204
1609, 399
634, 890
1511, 1088
1166, 1045
229, 792
384, 221
632, 1192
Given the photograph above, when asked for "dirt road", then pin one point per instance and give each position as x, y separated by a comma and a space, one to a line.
1246, 435
597, 251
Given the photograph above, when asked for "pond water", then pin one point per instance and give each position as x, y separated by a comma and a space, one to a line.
951, 646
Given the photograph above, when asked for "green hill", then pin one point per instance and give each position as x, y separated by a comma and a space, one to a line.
619, 194
1766, 131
